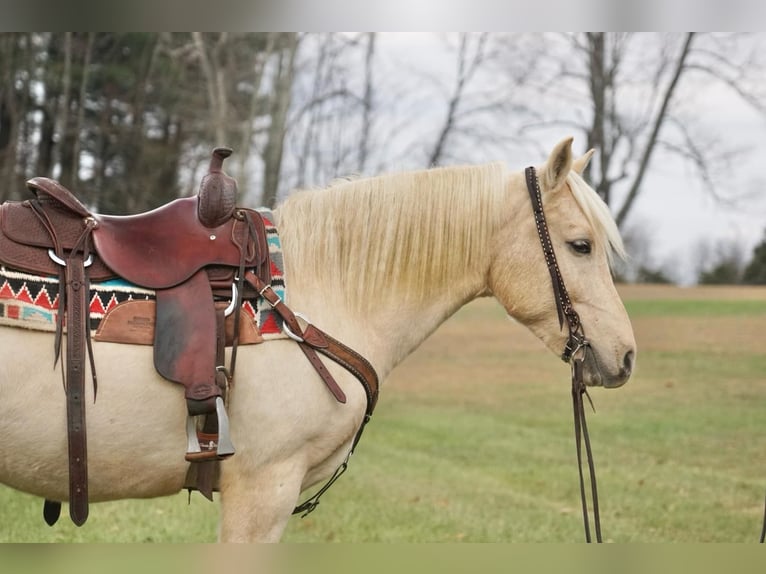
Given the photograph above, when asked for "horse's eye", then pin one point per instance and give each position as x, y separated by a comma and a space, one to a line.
581, 246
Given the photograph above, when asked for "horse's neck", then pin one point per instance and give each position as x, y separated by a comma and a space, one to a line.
385, 315
385, 333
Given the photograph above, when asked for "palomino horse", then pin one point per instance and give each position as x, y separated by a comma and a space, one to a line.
378, 263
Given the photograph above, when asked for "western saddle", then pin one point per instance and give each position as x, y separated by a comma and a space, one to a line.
192, 252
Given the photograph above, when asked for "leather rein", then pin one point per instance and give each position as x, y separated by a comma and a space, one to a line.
574, 354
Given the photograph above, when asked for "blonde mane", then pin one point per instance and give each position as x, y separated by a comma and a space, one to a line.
394, 236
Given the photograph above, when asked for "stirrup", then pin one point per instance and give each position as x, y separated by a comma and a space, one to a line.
225, 446
212, 447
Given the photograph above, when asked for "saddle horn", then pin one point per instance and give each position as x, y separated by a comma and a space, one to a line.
217, 192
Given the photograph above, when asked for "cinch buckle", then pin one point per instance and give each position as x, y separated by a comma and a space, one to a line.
277, 302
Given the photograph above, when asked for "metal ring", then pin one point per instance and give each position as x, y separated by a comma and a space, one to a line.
230, 309
582, 345
60, 261
289, 333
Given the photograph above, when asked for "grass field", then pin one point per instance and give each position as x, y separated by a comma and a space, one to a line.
472, 441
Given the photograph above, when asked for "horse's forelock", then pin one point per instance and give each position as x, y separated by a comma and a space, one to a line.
598, 215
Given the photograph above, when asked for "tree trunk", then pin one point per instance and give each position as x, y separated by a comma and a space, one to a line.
367, 104
280, 104
71, 138
139, 183
62, 113
599, 87
54, 108
246, 144
214, 74
8, 115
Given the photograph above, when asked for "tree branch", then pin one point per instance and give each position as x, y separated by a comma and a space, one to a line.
652, 140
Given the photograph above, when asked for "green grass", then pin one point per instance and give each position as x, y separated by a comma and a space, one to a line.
472, 441
694, 308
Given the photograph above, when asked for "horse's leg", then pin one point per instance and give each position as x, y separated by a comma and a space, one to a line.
256, 505
280, 426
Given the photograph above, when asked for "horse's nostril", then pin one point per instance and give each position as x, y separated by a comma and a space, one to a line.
627, 362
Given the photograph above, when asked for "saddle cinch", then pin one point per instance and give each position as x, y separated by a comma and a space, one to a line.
191, 251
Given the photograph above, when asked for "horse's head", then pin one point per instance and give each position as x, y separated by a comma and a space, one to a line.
584, 237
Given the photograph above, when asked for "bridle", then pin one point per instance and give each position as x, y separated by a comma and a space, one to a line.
574, 353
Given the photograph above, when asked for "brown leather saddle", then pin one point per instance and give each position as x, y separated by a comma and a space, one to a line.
190, 251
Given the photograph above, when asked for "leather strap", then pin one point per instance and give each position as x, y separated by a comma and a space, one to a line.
322, 371
314, 339
74, 291
77, 310
574, 353
581, 435
561, 295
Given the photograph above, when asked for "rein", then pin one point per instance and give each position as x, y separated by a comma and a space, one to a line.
574, 354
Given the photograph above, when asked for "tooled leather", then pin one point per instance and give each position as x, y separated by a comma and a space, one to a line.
77, 307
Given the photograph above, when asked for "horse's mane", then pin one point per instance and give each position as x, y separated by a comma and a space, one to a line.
598, 215
396, 234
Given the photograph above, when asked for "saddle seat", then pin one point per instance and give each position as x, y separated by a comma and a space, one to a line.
164, 247
157, 249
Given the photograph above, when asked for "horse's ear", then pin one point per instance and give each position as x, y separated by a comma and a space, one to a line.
582, 162
558, 165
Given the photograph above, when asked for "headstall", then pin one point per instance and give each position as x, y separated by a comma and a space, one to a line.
574, 353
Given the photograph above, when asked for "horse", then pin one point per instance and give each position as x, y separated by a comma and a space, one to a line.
379, 263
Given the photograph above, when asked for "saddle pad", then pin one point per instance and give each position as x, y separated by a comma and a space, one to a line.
32, 301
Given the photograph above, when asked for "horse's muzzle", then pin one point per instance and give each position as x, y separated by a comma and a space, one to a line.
595, 373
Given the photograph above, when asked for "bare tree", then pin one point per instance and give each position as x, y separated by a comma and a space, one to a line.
463, 104
471, 54
367, 103
9, 117
335, 104
246, 147
608, 129
210, 54
280, 104
630, 94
